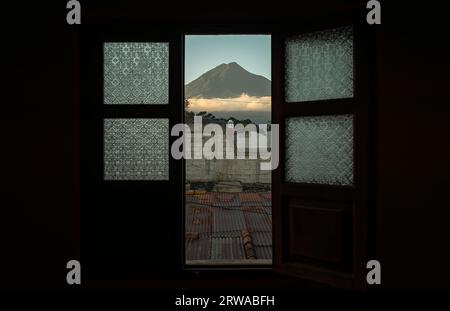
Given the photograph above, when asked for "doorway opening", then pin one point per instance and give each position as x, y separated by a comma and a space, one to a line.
228, 200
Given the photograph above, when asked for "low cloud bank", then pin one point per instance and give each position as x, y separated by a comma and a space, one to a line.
242, 103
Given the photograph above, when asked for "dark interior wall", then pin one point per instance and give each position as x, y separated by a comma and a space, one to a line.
40, 215
40, 220
412, 147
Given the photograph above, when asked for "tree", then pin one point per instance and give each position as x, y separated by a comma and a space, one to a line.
187, 104
188, 115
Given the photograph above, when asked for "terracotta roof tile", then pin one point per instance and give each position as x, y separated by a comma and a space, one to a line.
216, 221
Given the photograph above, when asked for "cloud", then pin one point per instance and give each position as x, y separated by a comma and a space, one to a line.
242, 103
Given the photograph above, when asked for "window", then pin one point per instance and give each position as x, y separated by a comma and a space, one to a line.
135, 219
136, 73
319, 150
136, 149
319, 65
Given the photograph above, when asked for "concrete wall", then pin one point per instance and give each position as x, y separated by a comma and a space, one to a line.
245, 171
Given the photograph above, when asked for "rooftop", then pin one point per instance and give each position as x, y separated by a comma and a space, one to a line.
228, 227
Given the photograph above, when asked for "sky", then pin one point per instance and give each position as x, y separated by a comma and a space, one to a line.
204, 52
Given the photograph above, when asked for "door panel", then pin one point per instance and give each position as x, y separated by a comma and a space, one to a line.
131, 188
316, 233
320, 190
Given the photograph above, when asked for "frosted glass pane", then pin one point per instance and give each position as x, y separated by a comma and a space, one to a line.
319, 65
136, 73
320, 150
136, 149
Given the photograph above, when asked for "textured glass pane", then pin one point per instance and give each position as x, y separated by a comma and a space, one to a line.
136, 73
319, 65
320, 150
136, 149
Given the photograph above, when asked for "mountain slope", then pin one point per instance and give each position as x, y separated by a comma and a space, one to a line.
228, 81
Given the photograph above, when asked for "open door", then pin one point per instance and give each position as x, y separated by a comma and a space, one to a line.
320, 189
131, 188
